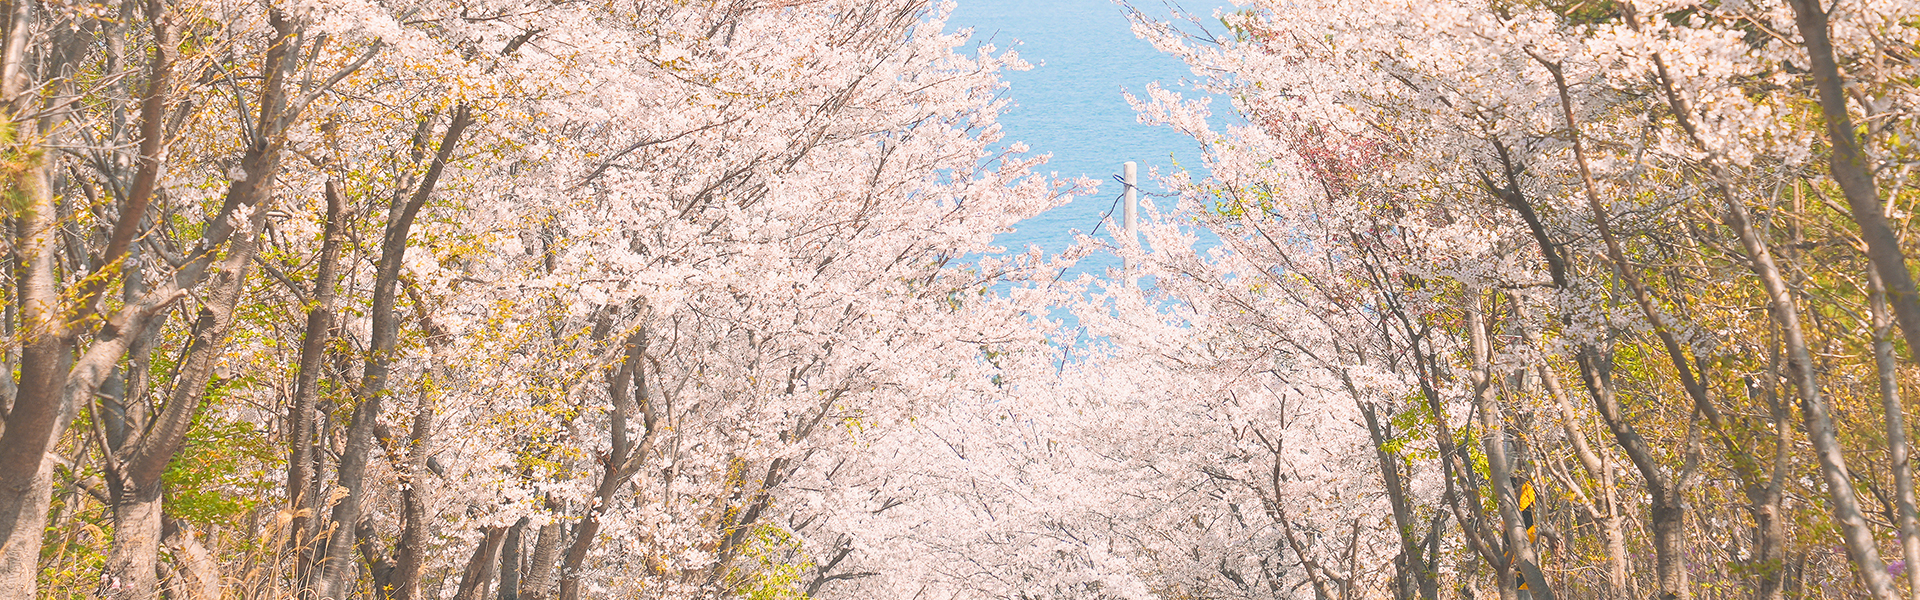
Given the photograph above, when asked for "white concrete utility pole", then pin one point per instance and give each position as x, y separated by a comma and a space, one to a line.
1130, 176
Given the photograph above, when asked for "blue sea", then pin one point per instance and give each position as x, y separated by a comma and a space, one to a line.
1070, 105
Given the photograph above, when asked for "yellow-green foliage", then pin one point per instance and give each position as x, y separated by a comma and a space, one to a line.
773, 567
16, 157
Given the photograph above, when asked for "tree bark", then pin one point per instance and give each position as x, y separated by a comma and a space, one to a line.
1854, 530
379, 566
1456, 473
1847, 164
1897, 446
335, 563
473, 582
546, 551
1493, 429
1403, 519
13, 63
510, 562
19, 558
133, 564
1316, 574
301, 482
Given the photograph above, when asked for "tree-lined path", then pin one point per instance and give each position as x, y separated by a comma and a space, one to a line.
676, 299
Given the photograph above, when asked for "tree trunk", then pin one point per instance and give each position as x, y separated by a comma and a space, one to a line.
335, 564
1316, 574
151, 155
1848, 166
583, 539
35, 415
20, 557
133, 564
379, 567
134, 473
1611, 534
196, 573
1770, 524
1897, 447
1666, 513
1519, 546
1668, 509
510, 561
546, 551
301, 480
1612, 529
13, 64
620, 463
1854, 531
1668, 521
1414, 564
1455, 470
412, 547
473, 582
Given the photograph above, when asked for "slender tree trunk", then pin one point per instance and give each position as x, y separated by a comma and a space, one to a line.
335, 564
379, 566
1612, 535
13, 64
35, 416
9, 327
510, 562
619, 465
473, 582
412, 547
414, 488
1403, 520
1592, 375
1458, 477
1769, 522
1897, 446
1848, 166
1854, 530
1316, 574
1668, 509
1524, 561
1665, 515
301, 479
151, 155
